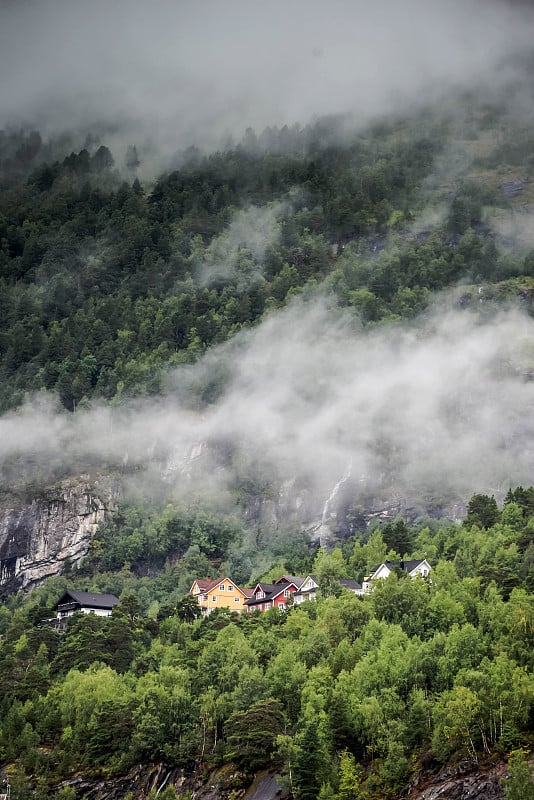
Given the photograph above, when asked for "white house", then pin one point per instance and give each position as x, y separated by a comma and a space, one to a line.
413, 568
86, 602
307, 591
310, 586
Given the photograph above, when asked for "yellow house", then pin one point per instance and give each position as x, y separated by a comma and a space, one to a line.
219, 593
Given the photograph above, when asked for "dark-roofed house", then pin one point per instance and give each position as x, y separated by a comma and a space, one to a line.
290, 579
307, 591
273, 595
413, 568
310, 586
351, 586
86, 602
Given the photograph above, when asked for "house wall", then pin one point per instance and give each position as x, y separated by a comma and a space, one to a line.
221, 596
300, 598
421, 569
382, 572
280, 601
99, 612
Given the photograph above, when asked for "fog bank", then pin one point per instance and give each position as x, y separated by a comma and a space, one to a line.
444, 406
176, 73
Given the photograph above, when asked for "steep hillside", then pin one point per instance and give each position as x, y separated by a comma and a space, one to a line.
300, 351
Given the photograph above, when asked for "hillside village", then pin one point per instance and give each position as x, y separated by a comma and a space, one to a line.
383, 679
267, 381
289, 590
224, 593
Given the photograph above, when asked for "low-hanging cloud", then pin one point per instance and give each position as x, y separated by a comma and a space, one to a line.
441, 407
180, 73
238, 252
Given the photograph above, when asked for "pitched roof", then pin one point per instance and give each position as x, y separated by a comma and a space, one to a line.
207, 584
270, 592
291, 579
88, 599
411, 565
406, 566
348, 583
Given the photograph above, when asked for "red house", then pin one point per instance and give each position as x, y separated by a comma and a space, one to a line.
273, 595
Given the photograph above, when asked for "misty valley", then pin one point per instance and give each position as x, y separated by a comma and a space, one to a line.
267, 402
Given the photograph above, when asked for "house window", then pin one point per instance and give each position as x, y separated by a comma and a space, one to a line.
203, 598
214, 598
286, 592
282, 606
260, 595
230, 587
236, 599
267, 606
222, 587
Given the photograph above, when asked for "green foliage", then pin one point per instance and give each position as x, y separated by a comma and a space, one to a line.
482, 511
252, 734
519, 785
308, 762
104, 284
344, 690
66, 793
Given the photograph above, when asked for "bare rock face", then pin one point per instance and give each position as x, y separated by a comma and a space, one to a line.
461, 782
37, 537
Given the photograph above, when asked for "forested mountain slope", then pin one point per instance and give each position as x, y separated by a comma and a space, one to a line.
345, 696
105, 282
301, 353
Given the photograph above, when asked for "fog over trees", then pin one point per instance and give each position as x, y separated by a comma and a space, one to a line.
268, 270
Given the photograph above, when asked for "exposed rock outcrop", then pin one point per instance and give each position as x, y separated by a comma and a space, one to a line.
461, 782
457, 782
224, 783
38, 536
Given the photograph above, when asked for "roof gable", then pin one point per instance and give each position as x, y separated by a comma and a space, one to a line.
309, 583
267, 592
411, 566
208, 585
382, 570
204, 584
294, 579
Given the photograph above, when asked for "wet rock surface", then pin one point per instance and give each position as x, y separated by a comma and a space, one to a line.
37, 537
461, 782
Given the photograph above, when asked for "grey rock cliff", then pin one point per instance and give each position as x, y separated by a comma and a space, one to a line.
460, 782
37, 536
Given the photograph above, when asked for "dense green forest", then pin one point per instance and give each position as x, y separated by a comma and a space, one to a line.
348, 696
105, 284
